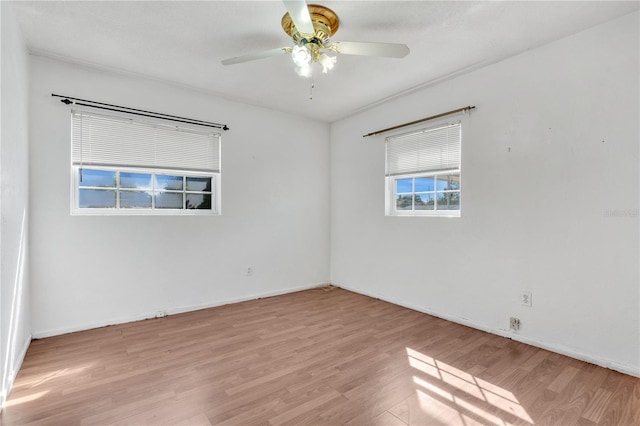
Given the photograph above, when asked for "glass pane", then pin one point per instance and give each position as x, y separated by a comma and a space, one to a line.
424, 201
168, 200
89, 177
97, 199
448, 182
135, 199
449, 200
403, 202
404, 185
135, 180
199, 201
424, 184
169, 182
198, 184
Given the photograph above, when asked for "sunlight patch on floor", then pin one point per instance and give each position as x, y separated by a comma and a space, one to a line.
17, 401
47, 377
477, 393
436, 409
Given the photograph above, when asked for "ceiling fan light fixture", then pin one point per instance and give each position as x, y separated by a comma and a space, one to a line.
301, 56
310, 26
327, 62
305, 55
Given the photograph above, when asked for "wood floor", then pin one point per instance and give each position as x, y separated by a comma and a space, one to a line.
321, 357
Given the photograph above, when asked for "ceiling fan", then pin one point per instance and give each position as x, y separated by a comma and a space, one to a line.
310, 26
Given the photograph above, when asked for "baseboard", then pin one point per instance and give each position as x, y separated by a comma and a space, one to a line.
279, 292
14, 373
612, 365
170, 311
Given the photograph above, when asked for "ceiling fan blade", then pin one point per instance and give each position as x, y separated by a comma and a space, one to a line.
388, 50
300, 16
257, 55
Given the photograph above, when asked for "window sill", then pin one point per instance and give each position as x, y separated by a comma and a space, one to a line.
428, 214
142, 212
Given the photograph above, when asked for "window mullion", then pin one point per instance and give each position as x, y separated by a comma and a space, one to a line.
118, 190
413, 194
435, 192
153, 191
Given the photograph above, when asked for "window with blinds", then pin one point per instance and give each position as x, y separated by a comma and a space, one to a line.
422, 172
127, 166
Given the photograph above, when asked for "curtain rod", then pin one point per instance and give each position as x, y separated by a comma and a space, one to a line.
377, 132
77, 101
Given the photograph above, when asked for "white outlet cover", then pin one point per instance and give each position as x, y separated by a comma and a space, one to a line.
525, 298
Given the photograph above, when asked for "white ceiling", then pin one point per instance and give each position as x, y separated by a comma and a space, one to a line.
183, 42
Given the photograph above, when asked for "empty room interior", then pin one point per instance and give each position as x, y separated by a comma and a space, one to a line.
340, 212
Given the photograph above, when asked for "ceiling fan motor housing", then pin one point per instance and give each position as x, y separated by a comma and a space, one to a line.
325, 24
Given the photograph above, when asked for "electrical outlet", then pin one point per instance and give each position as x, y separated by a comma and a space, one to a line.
514, 323
525, 298
248, 271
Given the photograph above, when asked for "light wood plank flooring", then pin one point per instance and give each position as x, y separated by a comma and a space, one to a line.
321, 357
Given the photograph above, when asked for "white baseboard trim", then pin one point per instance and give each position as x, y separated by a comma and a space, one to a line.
170, 311
14, 373
279, 292
606, 363
613, 365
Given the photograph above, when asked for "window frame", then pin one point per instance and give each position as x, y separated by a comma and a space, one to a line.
392, 194
76, 210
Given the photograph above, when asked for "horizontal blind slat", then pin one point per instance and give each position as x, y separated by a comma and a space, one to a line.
116, 141
424, 151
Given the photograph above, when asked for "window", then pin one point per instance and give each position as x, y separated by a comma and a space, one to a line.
423, 172
112, 188
124, 166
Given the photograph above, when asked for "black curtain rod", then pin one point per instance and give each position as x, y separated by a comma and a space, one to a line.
377, 132
77, 101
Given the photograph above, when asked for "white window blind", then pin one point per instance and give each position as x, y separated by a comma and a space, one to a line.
102, 140
431, 150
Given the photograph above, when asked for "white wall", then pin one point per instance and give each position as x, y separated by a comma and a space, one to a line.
91, 271
14, 207
556, 215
